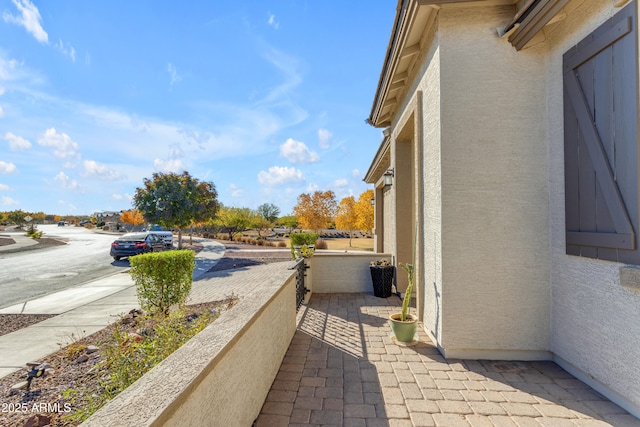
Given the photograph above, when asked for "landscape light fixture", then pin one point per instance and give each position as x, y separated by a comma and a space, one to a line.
388, 177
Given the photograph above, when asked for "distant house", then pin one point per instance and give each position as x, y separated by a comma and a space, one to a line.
510, 157
110, 218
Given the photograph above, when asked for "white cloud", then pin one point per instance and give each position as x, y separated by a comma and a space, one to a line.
312, 188
172, 165
324, 138
175, 77
340, 183
290, 67
272, 21
279, 175
62, 144
4, 187
16, 143
298, 152
29, 18
8, 201
67, 50
235, 190
7, 167
1, 91
66, 182
98, 170
9, 69
117, 196
1, 112
355, 173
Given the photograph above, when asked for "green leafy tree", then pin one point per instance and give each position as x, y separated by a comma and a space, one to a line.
288, 221
176, 201
268, 211
234, 220
16, 217
266, 215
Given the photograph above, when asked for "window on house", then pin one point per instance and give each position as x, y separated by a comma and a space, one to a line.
601, 142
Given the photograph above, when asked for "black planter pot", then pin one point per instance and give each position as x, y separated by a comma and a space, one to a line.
382, 278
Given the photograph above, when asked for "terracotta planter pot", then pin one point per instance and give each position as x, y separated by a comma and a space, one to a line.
403, 331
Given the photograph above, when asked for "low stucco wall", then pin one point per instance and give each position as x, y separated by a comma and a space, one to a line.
341, 272
222, 375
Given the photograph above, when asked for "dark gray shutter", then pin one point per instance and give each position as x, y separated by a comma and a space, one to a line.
601, 142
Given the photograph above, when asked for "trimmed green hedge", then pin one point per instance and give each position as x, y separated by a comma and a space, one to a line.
299, 239
163, 278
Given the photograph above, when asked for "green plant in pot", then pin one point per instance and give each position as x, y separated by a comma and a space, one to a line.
404, 324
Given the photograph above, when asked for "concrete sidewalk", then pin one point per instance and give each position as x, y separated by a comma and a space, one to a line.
20, 239
81, 311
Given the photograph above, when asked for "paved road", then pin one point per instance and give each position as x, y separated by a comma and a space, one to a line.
30, 274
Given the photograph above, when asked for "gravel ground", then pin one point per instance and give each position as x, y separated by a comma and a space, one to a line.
14, 322
6, 241
250, 255
73, 367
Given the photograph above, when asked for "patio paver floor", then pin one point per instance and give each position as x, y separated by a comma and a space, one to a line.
342, 369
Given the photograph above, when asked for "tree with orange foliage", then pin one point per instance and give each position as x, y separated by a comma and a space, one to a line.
132, 217
315, 211
364, 211
346, 218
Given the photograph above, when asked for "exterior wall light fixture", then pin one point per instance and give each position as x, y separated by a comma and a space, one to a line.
373, 202
388, 177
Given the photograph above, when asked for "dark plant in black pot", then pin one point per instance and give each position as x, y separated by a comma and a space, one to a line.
382, 277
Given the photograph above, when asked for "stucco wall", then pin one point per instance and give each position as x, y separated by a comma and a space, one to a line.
431, 279
389, 230
495, 249
342, 273
595, 320
222, 375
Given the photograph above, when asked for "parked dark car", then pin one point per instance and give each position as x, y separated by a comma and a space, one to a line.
135, 243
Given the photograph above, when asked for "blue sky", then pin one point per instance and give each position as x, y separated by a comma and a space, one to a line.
266, 99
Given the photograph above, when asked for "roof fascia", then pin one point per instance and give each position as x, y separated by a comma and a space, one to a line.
405, 10
534, 20
385, 145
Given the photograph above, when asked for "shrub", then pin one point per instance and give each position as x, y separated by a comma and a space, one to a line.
282, 245
321, 244
33, 232
304, 241
162, 279
300, 239
260, 242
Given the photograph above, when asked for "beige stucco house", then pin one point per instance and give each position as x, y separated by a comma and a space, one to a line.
508, 173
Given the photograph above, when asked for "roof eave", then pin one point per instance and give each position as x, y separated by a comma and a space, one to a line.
379, 164
530, 19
